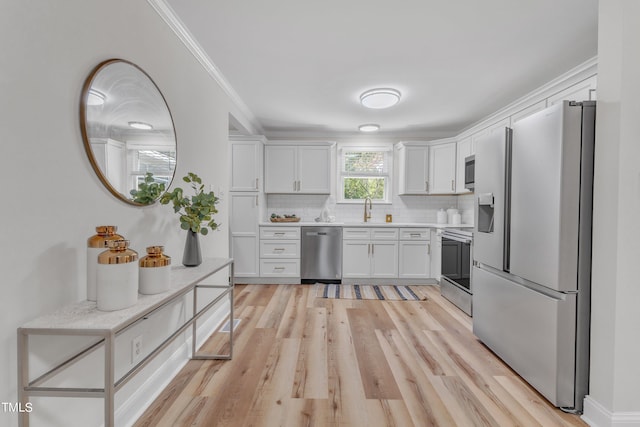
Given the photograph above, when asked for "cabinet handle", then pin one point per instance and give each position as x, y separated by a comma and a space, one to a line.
257, 183
453, 185
278, 249
294, 185
278, 268
426, 186
428, 248
415, 234
298, 185
256, 200
368, 249
372, 248
279, 233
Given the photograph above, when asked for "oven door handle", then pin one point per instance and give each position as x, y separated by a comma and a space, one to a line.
455, 238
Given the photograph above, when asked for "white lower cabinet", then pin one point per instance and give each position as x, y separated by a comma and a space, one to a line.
279, 251
369, 253
415, 253
245, 213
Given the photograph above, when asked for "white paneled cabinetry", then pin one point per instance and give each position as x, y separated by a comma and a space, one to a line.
369, 253
280, 251
247, 204
298, 169
414, 258
426, 167
442, 168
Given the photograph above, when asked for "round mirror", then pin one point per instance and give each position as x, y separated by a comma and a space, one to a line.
128, 132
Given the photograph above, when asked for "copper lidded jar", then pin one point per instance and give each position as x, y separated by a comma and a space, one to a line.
95, 245
155, 271
117, 277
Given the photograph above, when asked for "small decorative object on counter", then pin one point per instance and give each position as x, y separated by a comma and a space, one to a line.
155, 271
289, 218
450, 213
196, 215
441, 216
117, 277
96, 245
456, 219
388, 218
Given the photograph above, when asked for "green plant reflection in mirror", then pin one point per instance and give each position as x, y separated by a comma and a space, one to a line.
128, 132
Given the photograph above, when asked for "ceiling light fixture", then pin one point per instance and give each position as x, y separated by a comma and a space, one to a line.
369, 127
380, 98
95, 97
140, 125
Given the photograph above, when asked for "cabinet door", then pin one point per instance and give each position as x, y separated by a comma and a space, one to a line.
244, 213
280, 169
244, 250
415, 260
436, 252
414, 167
442, 168
463, 150
246, 165
314, 169
356, 261
384, 259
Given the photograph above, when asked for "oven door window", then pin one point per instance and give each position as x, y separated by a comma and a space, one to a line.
456, 262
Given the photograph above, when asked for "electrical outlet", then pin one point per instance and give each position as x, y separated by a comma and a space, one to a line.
136, 348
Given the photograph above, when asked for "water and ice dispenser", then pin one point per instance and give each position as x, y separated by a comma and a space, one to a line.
485, 212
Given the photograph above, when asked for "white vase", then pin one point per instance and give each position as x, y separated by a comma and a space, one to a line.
95, 246
117, 277
155, 271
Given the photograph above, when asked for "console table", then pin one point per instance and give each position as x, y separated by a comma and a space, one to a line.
84, 319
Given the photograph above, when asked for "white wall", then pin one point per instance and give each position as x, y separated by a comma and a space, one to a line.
614, 395
51, 199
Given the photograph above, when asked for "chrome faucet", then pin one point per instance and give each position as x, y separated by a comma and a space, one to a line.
367, 215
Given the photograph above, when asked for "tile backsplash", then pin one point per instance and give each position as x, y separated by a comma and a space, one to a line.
403, 208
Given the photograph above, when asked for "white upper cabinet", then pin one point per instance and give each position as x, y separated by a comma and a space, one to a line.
246, 165
464, 150
298, 169
583, 91
413, 176
442, 168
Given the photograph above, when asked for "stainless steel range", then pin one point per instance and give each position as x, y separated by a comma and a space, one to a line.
455, 284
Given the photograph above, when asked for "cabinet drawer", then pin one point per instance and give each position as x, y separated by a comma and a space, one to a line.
384, 234
279, 268
414, 234
356, 233
279, 249
279, 233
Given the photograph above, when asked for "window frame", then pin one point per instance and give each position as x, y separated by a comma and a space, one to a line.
386, 149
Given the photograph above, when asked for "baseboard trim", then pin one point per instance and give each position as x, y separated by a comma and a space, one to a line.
596, 415
129, 412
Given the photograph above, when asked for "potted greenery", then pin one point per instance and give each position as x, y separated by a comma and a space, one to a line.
148, 191
196, 215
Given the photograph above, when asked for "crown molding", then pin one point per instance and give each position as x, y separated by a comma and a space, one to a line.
169, 16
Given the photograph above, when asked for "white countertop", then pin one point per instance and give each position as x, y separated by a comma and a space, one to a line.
364, 224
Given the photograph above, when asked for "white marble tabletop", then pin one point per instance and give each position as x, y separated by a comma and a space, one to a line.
85, 314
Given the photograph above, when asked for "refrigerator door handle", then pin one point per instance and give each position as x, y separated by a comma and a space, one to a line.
506, 252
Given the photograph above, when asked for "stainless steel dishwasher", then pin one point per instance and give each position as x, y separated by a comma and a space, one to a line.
321, 255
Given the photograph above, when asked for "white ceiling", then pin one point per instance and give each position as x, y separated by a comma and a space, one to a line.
301, 65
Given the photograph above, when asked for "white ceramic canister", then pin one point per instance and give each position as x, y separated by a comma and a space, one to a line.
155, 271
450, 213
456, 219
95, 246
441, 216
117, 277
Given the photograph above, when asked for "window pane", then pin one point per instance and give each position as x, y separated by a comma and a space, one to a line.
365, 162
361, 188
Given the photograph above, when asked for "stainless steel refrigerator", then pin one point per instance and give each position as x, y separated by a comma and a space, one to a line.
532, 248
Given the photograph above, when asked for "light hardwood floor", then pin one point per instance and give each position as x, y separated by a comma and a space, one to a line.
306, 361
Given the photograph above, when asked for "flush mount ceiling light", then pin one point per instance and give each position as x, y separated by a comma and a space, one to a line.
369, 127
95, 97
140, 125
380, 98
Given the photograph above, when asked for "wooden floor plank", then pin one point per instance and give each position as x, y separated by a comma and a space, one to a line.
306, 361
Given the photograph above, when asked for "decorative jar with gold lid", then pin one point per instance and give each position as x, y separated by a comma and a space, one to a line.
117, 277
95, 245
155, 271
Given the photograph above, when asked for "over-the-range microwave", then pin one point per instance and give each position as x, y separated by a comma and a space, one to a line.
469, 172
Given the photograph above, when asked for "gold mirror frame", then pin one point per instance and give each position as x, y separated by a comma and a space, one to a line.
117, 96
